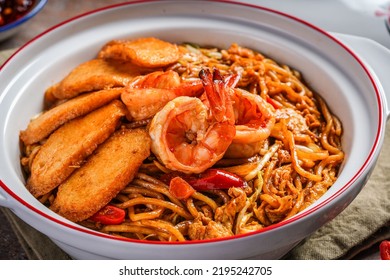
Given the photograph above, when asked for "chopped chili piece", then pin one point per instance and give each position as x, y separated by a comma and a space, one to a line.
384, 249
179, 188
109, 215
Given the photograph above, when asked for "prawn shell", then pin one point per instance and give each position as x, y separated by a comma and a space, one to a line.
212, 140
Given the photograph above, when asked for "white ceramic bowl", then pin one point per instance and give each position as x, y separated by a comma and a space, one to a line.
11, 28
349, 81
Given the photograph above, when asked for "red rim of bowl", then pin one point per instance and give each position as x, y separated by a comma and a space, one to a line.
278, 225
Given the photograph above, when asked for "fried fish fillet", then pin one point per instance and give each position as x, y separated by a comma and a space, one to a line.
145, 52
67, 147
103, 176
92, 75
41, 127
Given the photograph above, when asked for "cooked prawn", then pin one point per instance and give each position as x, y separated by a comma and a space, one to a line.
189, 135
146, 95
254, 119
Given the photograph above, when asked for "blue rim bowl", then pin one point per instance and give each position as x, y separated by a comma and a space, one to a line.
12, 27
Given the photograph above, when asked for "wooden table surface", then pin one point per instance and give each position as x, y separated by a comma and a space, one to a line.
54, 12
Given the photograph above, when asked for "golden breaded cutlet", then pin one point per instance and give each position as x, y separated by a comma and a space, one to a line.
103, 176
67, 147
41, 127
147, 52
92, 75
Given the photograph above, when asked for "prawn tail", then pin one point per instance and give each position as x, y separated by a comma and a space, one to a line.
217, 93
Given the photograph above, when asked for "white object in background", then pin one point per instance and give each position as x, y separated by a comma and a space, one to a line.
365, 18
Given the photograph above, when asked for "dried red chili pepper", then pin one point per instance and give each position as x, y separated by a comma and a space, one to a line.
211, 179
216, 179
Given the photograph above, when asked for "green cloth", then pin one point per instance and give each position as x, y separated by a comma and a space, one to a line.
364, 223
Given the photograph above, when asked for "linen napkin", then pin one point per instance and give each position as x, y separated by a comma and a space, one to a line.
364, 223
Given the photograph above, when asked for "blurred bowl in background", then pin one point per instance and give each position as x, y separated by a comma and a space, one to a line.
11, 24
